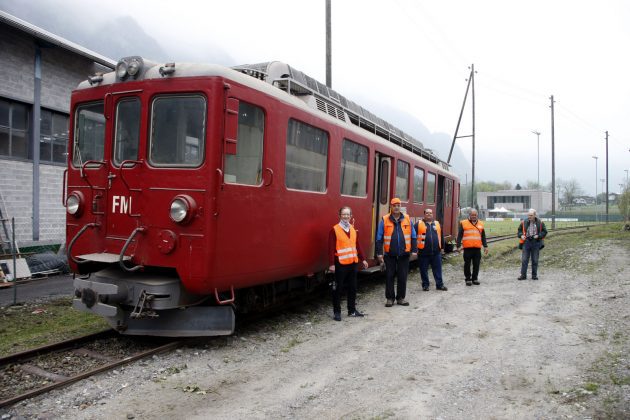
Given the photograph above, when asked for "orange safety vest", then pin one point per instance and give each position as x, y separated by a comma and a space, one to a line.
422, 233
472, 234
346, 247
388, 231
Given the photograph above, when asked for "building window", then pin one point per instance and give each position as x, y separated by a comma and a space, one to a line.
245, 167
430, 188
178, 128
354, 169
402, 180
418, 185
307, 157
14, 120
53, 142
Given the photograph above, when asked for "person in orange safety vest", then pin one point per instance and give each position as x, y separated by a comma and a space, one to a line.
473, 237
344, 254
395, 241
430, 250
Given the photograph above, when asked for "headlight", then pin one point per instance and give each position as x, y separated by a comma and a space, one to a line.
74, 203
133, 67
183, 208
121, 70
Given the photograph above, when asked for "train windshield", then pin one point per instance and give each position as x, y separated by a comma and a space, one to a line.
89, 137
178, 126
127, 130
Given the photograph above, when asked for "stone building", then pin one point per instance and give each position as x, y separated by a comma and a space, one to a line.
38, 72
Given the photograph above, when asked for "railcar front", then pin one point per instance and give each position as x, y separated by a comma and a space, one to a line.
140, 198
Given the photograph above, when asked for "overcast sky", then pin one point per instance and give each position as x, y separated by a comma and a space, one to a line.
414, 55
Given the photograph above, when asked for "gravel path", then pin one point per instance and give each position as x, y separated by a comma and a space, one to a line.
505, 349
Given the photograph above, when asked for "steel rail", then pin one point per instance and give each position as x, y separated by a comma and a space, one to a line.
67, 381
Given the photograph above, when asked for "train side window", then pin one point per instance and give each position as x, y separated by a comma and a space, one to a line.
418, 185
430, 188
89, 134
307, 157
384, 183
448, 192
127, 129
178, 126
402, 180
245, 167
354, 169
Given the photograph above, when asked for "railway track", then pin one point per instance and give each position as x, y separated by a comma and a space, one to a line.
499, 238
40, 370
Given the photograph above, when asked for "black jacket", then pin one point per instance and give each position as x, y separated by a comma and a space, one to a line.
540, 228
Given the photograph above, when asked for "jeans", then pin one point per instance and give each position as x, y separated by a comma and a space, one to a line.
399, 267
531, 248
435, 261
472, 255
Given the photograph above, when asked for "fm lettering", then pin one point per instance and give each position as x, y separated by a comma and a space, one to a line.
121, 204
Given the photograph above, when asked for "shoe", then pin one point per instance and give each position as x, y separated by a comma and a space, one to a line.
476, 282
468, 283
337, 317
355, 314
534, 277
426, 289
389, 303
443, 288
402, 302
522, 278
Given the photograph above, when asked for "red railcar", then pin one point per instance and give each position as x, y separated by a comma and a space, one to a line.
194, 190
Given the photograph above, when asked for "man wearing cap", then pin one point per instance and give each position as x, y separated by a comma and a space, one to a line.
395, 241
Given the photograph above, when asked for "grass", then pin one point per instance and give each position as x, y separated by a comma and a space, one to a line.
507, 227
563, 249
30, 325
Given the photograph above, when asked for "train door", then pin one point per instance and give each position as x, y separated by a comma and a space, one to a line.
246, 195
448, 201
382, 187
123, 203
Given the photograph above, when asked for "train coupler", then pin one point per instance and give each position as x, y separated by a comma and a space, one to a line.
142, 309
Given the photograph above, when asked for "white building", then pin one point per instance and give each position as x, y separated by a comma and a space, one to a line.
517, 201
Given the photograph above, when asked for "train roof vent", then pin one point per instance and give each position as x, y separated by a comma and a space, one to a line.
296, 83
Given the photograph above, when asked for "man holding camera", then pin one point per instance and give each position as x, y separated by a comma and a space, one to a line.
531, 233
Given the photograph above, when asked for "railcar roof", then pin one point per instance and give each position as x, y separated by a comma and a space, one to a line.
290, 85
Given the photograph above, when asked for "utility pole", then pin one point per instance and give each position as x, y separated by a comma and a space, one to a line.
596, 157
472, 190
553, 170
607, 195
471, 82
328, 46
538, 142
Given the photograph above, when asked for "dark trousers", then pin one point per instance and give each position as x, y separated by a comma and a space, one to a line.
345, 274
435, 261
472, 255
531, 248
399, 267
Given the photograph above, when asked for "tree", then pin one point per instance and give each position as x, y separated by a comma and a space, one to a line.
533, 185
569, 190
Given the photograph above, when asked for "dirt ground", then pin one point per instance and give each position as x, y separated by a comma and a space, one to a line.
504, 349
